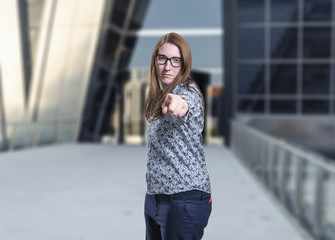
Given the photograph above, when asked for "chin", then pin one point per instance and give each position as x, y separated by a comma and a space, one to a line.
167, 82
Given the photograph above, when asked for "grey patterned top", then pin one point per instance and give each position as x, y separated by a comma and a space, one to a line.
176, 161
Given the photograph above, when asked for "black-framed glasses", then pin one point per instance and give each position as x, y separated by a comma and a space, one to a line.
175, 61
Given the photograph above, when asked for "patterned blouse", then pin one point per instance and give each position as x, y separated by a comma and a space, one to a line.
176, 161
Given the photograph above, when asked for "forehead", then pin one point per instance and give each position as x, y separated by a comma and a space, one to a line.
169, 49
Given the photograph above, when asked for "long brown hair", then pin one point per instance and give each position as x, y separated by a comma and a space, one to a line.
156, 95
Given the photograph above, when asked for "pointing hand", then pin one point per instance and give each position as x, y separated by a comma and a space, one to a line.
175, 105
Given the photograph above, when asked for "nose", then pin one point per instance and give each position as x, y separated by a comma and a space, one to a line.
167, 65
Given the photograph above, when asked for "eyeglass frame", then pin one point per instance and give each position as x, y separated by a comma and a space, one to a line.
169, 59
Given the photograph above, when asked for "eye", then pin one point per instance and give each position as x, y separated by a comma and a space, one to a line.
161, 58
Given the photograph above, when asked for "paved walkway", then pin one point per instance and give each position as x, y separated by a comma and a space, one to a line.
96, 192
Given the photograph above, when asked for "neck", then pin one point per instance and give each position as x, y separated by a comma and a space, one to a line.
164, 86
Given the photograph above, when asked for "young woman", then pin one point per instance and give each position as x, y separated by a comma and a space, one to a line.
178, 200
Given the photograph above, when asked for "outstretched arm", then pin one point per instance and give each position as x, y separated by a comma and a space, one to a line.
175, 105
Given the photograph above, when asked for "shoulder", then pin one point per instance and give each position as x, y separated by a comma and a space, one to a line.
185, 88
191, 93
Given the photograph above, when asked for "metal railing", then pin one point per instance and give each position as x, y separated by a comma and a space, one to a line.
303, 181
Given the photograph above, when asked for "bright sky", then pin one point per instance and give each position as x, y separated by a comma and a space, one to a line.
198, 21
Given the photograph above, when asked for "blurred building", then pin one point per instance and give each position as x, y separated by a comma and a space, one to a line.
135, 94
129, 120
61, 64
212, 116
280, 69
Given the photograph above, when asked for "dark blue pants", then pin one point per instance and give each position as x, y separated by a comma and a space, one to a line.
181, 216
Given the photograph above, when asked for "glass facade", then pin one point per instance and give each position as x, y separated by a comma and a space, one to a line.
59, 64
284, 58
279, 64
280, 80
122, 19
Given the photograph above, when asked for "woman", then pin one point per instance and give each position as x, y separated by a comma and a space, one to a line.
178, 200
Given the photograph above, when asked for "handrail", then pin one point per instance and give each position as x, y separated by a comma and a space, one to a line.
309, 155
304, 181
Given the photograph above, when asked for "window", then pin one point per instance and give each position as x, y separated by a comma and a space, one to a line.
315, 107
317, 10
250, 10
283, 79
251, 105
251, 43
119, 12
317, 42
284, 42
316, 78
111, 43
284, 10
251, 79
283, 106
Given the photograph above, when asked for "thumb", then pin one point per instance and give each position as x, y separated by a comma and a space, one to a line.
165, 110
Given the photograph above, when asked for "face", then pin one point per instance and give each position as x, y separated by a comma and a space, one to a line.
166, 72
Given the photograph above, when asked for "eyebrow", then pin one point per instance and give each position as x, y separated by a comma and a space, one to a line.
167, 56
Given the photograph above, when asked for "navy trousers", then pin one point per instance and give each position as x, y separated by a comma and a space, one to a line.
180, 216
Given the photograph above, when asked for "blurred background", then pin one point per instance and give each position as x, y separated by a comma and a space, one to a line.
78, 71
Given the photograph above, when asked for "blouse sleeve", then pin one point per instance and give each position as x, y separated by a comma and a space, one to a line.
195, 114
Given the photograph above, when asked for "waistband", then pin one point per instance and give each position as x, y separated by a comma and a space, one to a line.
189, 195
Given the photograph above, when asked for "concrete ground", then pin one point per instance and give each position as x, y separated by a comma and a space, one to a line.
96, 192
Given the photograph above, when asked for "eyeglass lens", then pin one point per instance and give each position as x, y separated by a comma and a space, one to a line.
162, 59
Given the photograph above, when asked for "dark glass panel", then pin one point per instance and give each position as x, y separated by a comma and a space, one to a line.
251, 79
284, 42
111, 43
99, 86
124, 59
283, 106
283, 79
284, 10
250, 11
119, 12
317, 42
317, 10
315, 107
251, 43
103, 77
251, 105
138, 14
130, 42
315, 79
